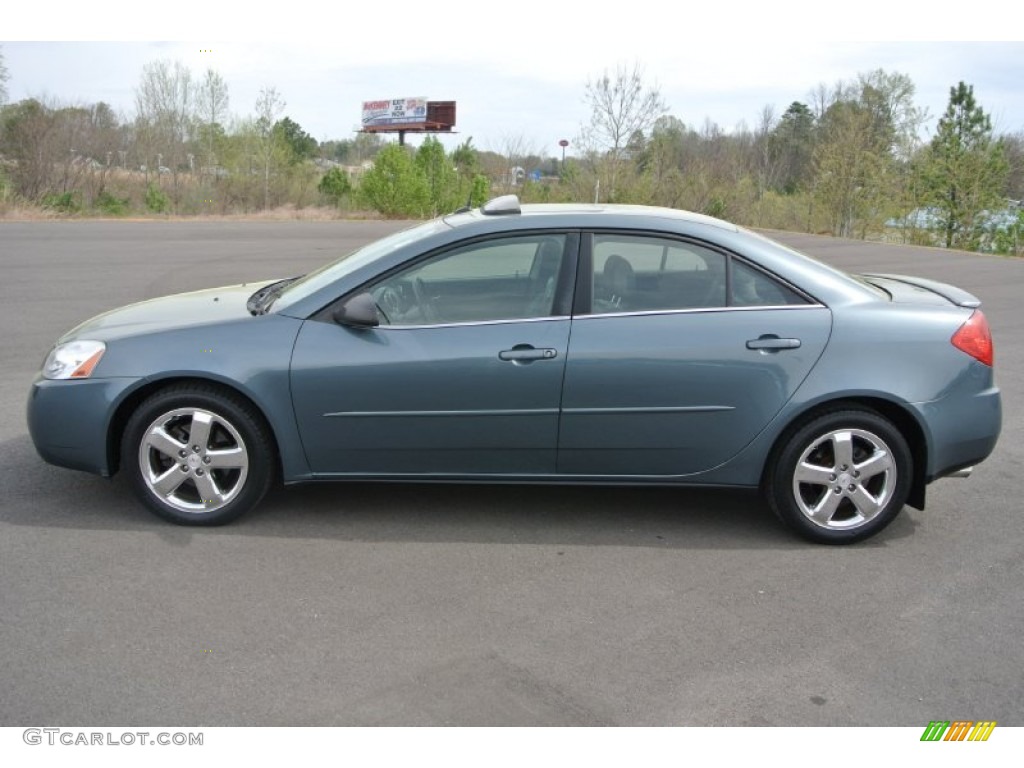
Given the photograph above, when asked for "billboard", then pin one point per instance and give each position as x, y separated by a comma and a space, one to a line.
386, 112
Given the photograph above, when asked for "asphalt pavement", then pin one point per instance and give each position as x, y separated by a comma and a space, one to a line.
363, 604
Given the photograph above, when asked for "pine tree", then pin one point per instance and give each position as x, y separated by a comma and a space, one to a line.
965, 169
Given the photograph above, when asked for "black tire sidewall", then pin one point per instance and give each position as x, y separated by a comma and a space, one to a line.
250, 427
780, 476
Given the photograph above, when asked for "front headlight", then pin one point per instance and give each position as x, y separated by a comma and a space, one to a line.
73, 360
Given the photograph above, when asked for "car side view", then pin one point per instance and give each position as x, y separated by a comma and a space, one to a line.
591, 344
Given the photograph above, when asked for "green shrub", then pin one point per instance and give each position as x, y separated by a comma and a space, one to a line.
395, 186
66, 202
156, 200
110, 205
335, 185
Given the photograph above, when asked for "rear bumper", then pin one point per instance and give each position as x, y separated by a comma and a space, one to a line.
963, 430
69, 420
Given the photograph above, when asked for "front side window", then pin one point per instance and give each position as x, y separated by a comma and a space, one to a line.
502, 279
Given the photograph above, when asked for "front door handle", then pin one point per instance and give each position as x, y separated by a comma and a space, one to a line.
772, 343
524, 353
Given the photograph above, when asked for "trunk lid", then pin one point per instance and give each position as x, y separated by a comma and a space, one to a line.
919, 290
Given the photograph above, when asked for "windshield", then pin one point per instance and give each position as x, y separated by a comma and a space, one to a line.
332, 271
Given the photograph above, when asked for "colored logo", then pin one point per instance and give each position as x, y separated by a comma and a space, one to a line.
958, 730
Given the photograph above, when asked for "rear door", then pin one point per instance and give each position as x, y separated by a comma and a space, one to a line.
680, 354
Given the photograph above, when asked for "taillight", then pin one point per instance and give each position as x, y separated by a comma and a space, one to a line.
974, 338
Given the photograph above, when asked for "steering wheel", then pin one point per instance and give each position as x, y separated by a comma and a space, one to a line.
419, 289
388, 303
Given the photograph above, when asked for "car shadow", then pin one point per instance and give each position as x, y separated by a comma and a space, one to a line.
39, 495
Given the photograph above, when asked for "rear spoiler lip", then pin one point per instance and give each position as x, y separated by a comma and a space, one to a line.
951, 293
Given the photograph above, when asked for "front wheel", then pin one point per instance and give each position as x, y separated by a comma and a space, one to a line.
198, 455
841, 477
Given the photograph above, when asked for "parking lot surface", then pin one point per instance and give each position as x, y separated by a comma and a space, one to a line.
365, 604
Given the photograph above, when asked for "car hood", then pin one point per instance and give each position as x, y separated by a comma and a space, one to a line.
180, 310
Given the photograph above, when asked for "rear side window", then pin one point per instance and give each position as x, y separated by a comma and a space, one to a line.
753, 288
640, 273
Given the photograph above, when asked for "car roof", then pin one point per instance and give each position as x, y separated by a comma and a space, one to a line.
586, 209
505, 215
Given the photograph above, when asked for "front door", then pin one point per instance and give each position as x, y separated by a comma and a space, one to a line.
462, 377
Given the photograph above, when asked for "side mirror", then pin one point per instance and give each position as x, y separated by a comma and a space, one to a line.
360, 311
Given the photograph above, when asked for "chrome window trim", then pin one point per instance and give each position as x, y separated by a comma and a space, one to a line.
546, 318
696, 310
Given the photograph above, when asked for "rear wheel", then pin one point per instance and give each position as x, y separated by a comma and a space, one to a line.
841, 477
198, 455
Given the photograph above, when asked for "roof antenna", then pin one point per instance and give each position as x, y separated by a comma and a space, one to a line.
469, 202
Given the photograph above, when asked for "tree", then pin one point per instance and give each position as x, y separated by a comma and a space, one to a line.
897, 121
852, 169
395, 185
509, 161
441, 177
621, 105
302, 145
164, 103
466, 160
335, 185
268, 143
4, 77
965, 169
791, 145
211, 109
1013, 148
29, 140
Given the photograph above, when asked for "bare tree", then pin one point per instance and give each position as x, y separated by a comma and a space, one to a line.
513, 148
766, 161
164, 106
211, 109
621, 106
269, 105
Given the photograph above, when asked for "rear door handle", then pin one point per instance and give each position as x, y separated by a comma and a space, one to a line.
524, 353
771, 342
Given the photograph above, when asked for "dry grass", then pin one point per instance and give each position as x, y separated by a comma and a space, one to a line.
28, 213
23, 212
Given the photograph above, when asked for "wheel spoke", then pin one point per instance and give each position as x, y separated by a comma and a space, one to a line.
813, 474
227, 458
822, 511
880, 462
168, 482
199, 430
159, 439
208, 491
842, 447
211, 463
866, 504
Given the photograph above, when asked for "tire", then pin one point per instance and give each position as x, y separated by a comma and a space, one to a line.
198, 455
840, 477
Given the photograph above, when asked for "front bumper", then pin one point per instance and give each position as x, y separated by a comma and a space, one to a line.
69, 421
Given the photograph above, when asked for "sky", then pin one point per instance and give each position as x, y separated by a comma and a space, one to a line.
517, 69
